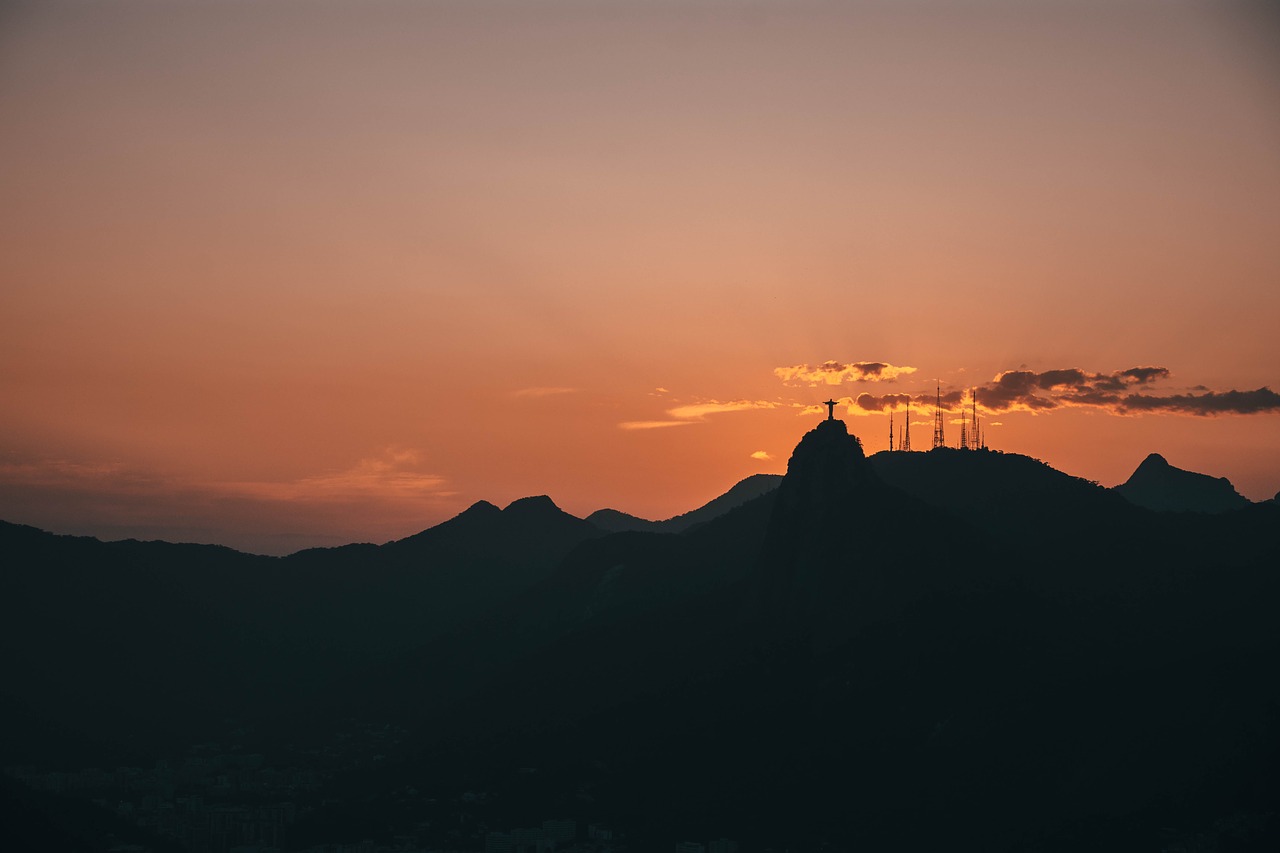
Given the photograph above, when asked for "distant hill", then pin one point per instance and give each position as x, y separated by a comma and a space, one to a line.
997, 490
1159, 486
149, 628
745, 490
616, 521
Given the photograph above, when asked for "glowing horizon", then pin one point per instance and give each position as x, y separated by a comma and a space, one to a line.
292, 273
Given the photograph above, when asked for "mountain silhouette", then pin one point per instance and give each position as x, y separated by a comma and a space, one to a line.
1000, 492
1159, 486
616, 521
530, 530
960, 649
886, 658
745, 490
837, 551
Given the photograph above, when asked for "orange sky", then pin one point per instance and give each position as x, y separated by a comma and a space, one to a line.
277, 274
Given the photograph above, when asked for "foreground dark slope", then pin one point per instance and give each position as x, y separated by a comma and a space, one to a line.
125, 649
122, 650
885, 674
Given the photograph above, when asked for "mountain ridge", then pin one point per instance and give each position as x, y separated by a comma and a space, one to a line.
1021, 655
1159, 486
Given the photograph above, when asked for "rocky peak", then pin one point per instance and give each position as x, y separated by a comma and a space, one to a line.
1157, 485
826, 472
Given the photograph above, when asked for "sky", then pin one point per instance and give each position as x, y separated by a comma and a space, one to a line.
286, 274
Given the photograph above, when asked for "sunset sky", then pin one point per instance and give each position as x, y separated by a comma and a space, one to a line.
282, 274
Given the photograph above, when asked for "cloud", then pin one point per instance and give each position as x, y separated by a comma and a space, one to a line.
1028, 391
395, 474
868, 404
698, 411
882, 403
652, 424
762, 455
386, 495
693, 413
542, 392
1124, 392
1260, 401
1130, 391
1143, 375
837, 373
64, 472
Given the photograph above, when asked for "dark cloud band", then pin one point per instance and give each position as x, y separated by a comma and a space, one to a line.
1121, 392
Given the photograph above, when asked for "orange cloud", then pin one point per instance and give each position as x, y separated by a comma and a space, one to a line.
697, 412
837, 373
652, 424
394, 474
62, 472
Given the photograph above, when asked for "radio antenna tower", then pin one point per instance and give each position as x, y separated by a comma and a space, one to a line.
977, 442
891, 429
906, 430
938, 440
964, 426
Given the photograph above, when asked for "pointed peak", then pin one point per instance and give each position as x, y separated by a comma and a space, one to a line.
826, 470
1159, 486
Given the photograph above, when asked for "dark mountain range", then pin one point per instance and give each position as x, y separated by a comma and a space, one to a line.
961, 649
295, 626
883, 672
151, 629
1159, 486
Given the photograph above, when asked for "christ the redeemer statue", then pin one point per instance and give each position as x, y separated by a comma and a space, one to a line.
831, 409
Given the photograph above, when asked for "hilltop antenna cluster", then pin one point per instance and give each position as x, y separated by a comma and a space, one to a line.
971, 426
971, 432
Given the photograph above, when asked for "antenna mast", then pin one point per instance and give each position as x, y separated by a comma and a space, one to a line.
937, 420
891, 429
906, 430
977, 442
